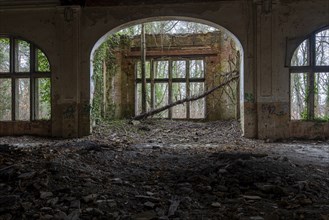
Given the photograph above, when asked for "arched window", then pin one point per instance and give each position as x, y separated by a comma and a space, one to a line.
25, 84
309, 78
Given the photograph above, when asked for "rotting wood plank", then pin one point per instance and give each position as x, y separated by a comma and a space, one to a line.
189, 53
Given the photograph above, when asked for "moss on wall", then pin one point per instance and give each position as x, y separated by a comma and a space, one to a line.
107, 68
115, 94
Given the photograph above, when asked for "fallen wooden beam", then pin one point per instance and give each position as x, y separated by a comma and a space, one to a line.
193, 98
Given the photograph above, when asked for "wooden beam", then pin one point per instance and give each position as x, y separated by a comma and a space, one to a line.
141, 2
182, 53
142, 54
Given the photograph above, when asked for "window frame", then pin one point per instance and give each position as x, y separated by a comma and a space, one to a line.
170, 80
33, 75
310, 70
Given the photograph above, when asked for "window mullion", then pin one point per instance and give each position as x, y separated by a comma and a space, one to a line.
15, 98
143, 70
311, 77
15, 56
187, 63
12, 56
13, 79
32, 83
152, 84
170, 88
137, 81
310, 100
33, 95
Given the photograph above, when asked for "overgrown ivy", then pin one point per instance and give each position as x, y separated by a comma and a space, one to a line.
106, 52
45, 84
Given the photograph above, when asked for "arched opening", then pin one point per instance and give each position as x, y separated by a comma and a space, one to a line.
309, 78
184, 58
25, 81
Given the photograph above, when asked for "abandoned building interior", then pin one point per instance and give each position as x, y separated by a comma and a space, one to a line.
164, 109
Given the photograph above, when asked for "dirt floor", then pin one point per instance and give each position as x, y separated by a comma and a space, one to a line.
163, 170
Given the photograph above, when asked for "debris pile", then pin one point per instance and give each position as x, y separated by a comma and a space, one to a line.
117, 177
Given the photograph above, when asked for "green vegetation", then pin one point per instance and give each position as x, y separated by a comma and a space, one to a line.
42, 62
5, 84
302, 91
5, 99
105, 60
42, 86
160, 71
44, 98
4, 54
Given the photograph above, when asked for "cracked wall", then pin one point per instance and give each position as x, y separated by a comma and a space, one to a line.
68, 35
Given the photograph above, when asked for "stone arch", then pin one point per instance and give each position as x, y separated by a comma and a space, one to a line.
182, 18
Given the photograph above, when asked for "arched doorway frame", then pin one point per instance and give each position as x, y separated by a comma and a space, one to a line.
181, 18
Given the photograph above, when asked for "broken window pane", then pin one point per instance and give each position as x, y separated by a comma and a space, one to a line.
321, 96
23, 99
22, 56
179, 69
161, 69
161, 98
322, 48
42, 62
298, 96
179, 93
43, 103
196, 69
4, 55
197, 108
301, 55
5, 99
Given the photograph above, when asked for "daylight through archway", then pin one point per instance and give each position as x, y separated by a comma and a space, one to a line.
150, 65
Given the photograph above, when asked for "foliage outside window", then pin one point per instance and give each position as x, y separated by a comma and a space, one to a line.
168, 81
105, 67
309, 79
25, 84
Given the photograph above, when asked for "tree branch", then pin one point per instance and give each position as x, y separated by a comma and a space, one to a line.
193, 98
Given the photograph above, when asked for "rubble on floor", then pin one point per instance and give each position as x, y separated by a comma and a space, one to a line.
159, 170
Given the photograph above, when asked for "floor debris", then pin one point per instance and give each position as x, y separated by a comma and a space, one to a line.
159, 169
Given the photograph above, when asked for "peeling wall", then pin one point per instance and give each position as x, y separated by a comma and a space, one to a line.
68, 35
279, 32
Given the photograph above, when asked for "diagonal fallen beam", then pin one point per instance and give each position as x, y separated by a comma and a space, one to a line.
193, 98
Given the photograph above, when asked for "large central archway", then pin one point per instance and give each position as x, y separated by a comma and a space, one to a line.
153, 19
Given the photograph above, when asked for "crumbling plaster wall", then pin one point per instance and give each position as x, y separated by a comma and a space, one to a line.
279, 31
40, 27
68, 35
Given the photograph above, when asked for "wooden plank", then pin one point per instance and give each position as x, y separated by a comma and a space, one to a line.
189, 53
142, 54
